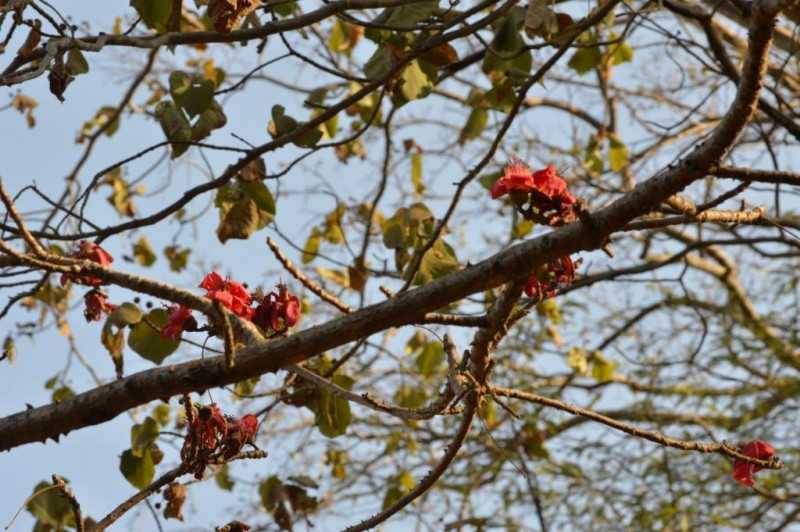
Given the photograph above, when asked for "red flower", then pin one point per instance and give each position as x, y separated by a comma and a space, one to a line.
743, 471
213, 437
517, 177
550, 201
88, 251
240, 432
96, 305
180, 319
232, 295
552, 186
207, 429
278, 310
548, 279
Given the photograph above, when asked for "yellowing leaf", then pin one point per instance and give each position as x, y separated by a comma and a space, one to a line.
177, 257
602, 368
143, 252
155, 13
175, 126
476, 123
337, 276
576, 359
139, 471
585, 59
416, 173
617, 154
76, 63
146, 340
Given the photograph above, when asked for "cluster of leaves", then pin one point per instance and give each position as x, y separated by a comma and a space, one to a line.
192, 99
138, 464
407, 232
288, 500
332, 413
245, 205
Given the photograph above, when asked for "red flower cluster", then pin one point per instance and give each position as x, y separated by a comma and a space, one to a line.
278, 310
180, 319
214, 437
232, 295
88, 251
96, 304
550, 201
548, 279
743, 471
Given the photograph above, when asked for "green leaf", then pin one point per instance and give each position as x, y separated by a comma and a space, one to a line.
394, 234
617, 154
139, 471
602, 368
270, 491
125, 314
62, 393
379, 64
161, 414
410, 397
154, 13
76, 63
439, 261
430, 359
223, 479
416, 173
532, 440
311, 248
282, 8
260, 194
399, 486
209, 120
408, 16
507, 50
540, 19
143, 435
51, 507
194, 96
281, 124
586, 59
254, 171
100, 118
332, 412
143, 252
475, 125
175, 126
502, 96
9, 349
177, 257
413, 84
147, 340
240, 221
621, 53
309, 139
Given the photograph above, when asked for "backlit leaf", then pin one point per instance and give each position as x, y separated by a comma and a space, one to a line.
146, 340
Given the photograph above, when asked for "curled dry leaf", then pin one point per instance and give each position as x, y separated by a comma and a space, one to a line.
175, 495
59, 78
227, 15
